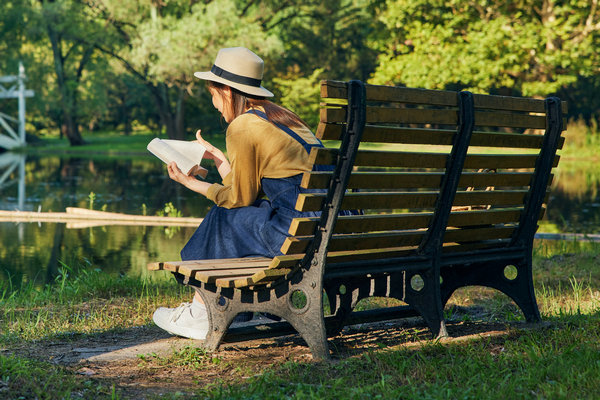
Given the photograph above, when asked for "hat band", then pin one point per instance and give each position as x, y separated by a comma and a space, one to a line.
244, 80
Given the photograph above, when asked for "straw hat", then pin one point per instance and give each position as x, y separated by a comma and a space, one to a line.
238, 68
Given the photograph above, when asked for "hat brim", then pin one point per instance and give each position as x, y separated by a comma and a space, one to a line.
251, 90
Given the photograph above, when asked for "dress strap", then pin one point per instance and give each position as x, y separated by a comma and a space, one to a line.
307, 146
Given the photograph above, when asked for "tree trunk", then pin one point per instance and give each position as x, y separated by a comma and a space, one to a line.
172, 120
180, 114
67, 96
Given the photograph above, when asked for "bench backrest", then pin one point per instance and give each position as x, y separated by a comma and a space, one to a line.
419, 149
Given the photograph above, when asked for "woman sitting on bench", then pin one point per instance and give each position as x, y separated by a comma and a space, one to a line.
268, 148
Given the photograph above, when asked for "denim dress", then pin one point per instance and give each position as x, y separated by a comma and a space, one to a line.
256, 230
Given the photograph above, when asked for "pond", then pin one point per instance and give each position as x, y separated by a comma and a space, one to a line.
33, 253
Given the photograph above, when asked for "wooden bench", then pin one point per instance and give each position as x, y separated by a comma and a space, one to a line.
451, 186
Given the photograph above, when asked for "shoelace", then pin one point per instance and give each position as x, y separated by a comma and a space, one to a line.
179, 310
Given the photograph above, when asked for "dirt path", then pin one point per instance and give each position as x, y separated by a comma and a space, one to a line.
141, 362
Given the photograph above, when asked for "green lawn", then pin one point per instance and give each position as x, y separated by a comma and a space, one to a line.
104, 144
558, 359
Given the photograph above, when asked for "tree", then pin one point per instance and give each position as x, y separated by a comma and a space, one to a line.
534, 47
66, 24
164, 43
324, 39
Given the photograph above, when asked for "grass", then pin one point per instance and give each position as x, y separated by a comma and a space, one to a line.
560, 359
559, 362
581, 141
81, 301
25, 379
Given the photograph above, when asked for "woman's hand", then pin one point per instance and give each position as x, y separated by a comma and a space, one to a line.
212, 153
176, 174
189, 181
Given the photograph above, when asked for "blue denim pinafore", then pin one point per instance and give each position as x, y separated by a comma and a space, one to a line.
256, 230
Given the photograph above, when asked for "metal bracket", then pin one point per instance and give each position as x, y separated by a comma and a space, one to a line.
433, 239
355, 123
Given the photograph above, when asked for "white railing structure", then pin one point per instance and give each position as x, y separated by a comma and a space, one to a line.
14, 139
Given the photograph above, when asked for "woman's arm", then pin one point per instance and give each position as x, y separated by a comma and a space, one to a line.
212, 153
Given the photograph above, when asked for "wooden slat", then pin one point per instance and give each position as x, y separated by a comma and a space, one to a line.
282, 265
388, 115
390, 134
333, 257
525, 104
509, 140
411, 200
213, 276
484, 217
384, 158
299, 244
491, 102
364, 223
337, 89
334, 89
411, 95
385, 222
379, 115
399, 159
260, 278
497, 161
405, 180
511, 120
478, 234
450, 248
187, 268
155, 266
376, 180
393, 134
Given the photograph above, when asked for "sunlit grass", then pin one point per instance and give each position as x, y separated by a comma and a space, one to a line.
82, 301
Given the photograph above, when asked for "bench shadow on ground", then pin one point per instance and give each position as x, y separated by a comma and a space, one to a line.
131, 343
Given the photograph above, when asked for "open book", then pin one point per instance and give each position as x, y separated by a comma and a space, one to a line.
187, 154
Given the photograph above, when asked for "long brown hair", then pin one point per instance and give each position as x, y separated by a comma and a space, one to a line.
241, 102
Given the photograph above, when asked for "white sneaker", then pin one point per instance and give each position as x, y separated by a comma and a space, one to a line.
180, 321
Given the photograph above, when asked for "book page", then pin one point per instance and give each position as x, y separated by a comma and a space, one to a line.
180, 152
191, 149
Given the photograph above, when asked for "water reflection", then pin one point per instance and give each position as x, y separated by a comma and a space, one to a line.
12, 171
574, 204
33, 252
37, 256
119, 185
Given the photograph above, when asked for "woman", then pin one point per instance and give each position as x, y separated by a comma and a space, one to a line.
268, 149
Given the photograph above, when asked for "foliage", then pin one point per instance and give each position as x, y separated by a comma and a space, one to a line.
531, 47
128, 64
